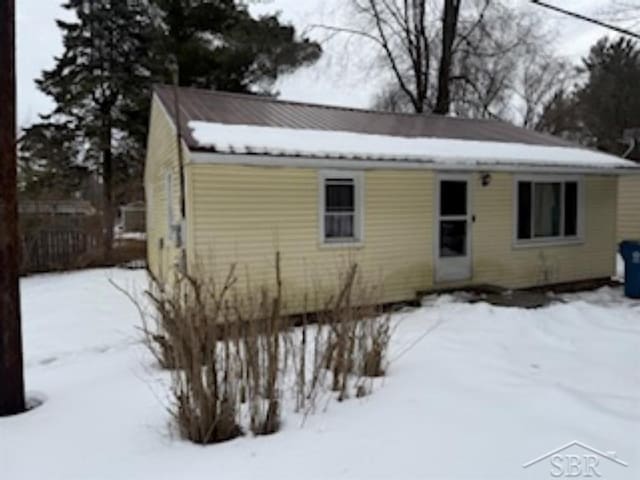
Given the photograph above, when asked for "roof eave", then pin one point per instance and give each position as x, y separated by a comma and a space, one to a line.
261, 159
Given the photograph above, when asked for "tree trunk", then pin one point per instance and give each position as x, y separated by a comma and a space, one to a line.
108, 215
12, 398
449, 31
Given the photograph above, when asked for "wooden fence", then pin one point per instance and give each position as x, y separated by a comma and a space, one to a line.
45, 250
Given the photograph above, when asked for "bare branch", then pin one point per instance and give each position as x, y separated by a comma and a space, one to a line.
414, 96
347, 30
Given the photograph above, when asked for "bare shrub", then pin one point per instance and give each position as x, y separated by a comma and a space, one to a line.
232, 351
299, 353
193, 336
224, 347
262, 356
352, 337
374, 335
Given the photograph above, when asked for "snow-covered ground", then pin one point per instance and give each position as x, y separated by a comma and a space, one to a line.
473, 392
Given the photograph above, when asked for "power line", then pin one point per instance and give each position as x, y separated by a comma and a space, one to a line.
579, 16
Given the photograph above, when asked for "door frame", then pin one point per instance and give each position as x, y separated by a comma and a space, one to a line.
438, 275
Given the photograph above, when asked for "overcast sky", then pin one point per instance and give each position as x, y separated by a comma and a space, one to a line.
344, 75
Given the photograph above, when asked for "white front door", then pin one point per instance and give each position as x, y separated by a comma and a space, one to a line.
453, 228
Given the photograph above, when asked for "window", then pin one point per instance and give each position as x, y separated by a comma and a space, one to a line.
341, 207
453, 197
547, 210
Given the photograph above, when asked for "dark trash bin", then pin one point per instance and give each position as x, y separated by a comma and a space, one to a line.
630, 251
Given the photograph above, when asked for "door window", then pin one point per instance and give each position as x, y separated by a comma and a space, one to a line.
453, 218
453, 238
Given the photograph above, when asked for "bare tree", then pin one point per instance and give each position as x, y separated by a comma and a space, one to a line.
449, 30
446, 55
392, 99
400, 28
404, 32
540, 76
506, 69
502, 67
484, 64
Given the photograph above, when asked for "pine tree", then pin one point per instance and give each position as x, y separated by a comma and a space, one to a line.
218, 44
114, 52
560, 117
97, 84
49, 161
600, 109
609, 102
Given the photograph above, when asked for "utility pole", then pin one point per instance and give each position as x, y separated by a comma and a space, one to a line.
12, 397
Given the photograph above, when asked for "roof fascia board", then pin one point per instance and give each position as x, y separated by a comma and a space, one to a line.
263, 160
172, 122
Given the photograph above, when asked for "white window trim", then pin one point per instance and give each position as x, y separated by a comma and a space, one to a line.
550, 241
358, 182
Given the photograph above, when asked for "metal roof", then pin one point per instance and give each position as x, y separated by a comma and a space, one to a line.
243, 109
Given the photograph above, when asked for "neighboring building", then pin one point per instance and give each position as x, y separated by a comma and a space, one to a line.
420, 202
70, 207
132, 218
55, 214
629, 208
629, 192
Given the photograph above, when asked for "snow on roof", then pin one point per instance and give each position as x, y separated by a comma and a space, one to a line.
276, 141
242, 109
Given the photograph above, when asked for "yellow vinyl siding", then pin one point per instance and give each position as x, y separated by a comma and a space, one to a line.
244, 215
498, 262
161, 159
629, 208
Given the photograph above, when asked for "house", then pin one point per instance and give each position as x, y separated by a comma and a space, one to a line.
629, 192
56, 208
420, 202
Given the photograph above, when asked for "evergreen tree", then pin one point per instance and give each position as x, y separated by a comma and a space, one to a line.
599, 110
97, 84
609, 102
560, 117
114, 52
218, 44
48, 161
